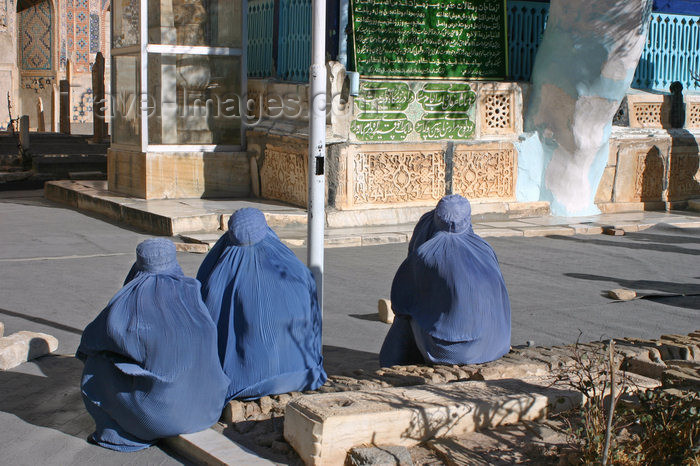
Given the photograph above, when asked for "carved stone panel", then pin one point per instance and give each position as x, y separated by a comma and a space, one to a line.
693, 115
649, 176
413, 176
283, 175
646, 115
484, 171
497, 112
684, 176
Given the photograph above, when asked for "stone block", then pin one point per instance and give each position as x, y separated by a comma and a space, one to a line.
622, 294
323, 428
212, 448
284, 172
406, 174
24, 346
379, 456
485, 170
234, 411
175, 175
605, 187
386, 314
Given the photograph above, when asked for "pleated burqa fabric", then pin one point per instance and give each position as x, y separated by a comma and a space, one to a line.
449, 296
151, 364
263, 299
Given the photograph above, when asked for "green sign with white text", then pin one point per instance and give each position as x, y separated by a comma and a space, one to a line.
463, 39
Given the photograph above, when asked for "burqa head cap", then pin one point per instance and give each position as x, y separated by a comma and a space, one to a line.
156, 255
453, 213
247, 226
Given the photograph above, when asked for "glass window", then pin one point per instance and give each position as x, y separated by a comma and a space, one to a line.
193, 99
213, 23
125, 14
126, 117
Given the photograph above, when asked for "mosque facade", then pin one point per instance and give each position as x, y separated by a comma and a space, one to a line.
44, 42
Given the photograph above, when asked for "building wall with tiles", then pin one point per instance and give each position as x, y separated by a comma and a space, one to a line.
41, 43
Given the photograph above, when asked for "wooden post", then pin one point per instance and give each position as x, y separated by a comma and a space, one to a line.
98, 97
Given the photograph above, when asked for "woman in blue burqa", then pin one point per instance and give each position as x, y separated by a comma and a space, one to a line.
263, 299
151, 367
449, 298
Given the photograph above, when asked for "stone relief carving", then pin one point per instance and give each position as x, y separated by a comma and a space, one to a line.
284, 175
649, 184
484, 173
385, 177
684, 176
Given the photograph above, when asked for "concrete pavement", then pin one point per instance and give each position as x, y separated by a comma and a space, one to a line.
59, 268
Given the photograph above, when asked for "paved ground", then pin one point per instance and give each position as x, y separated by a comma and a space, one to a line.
58, 268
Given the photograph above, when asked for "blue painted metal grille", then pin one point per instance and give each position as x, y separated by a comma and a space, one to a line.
261, 22
294, 53
526, 23
672, 51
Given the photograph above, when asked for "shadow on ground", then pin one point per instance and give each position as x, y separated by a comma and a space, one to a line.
46, 393
345, 361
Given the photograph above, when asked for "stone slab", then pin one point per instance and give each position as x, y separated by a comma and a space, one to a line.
212, 448
322, 428
496, 232
24, 346
546, 230
586, 229
192, 247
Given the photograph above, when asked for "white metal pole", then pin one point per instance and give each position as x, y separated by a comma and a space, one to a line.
317, 145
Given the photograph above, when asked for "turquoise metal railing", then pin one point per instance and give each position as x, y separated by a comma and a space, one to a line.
672, 53
526, 22
261, 22
294, 52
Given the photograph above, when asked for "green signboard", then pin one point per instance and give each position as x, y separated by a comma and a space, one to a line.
463, 39
413, 111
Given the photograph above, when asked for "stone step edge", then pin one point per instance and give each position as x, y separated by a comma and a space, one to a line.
85, 198
322, 428
213, 448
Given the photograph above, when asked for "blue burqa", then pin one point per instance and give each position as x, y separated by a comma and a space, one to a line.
449, 297
151, 366
263, 299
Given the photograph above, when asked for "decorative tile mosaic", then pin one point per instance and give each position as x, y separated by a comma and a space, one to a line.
94, 33
82, 110
70, 27
36, 37
82, 35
